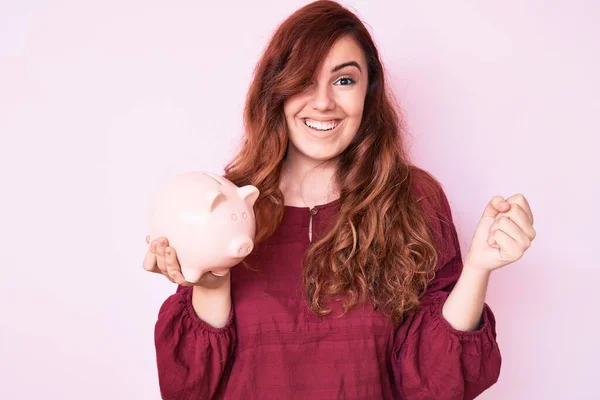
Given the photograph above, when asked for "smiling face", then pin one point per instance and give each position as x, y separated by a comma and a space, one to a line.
323, 120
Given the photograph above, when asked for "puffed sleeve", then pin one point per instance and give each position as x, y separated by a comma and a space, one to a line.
432, 360
192, 356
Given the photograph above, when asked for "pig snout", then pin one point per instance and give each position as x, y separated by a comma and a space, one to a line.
240, 247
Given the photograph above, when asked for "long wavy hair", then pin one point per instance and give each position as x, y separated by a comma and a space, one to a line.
380, 248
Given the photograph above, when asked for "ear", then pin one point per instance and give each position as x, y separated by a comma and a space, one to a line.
212, 199
249, 193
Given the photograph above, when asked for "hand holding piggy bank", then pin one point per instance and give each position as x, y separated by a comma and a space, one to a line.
207, 219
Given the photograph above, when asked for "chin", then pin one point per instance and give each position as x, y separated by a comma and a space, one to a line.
318, 154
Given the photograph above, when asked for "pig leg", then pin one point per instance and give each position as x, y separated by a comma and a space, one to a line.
191, 275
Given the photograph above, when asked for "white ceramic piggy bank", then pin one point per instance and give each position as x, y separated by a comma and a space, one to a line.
207, 219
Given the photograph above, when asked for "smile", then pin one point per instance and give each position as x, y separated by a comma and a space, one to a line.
321, 126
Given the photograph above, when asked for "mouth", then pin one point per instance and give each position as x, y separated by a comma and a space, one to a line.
321, 126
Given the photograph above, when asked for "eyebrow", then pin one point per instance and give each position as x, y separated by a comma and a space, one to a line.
346, 64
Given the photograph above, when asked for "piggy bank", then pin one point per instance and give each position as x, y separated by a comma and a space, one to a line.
207, 219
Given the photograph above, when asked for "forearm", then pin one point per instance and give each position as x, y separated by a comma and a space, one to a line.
213, 306
464, 306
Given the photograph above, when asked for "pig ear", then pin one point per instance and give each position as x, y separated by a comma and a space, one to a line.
212, 199
249, 193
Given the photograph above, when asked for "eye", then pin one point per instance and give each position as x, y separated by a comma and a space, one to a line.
344, 81
245, 216
234, 217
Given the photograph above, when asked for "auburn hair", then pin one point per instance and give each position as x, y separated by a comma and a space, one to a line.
380, 249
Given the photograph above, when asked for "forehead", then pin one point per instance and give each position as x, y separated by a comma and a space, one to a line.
344, 50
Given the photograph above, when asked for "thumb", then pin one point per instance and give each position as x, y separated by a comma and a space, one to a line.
496, 206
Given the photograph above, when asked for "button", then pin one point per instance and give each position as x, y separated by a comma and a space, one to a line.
314, 211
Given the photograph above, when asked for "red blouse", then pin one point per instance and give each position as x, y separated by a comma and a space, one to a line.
274, 347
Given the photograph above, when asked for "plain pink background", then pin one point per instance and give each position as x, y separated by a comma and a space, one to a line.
99, 101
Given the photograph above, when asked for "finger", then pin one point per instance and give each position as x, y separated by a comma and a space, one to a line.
510, 228
520, 218
160, 256
509, 249
220, 271
169, 278
178, 278
523, 203
495, 206
173, 267
149, 263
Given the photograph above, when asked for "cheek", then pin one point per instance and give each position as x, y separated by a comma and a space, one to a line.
292, 106
352, 104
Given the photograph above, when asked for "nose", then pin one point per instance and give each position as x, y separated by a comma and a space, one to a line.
240, 247
323, 98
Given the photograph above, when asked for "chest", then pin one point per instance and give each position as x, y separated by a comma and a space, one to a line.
271, 306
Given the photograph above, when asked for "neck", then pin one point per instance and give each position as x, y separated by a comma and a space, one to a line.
307, 183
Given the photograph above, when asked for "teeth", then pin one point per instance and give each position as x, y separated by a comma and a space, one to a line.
320, 126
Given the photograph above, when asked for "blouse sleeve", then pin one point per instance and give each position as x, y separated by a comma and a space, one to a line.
192, 356
432, 360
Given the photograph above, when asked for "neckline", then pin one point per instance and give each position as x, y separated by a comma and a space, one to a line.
318, 206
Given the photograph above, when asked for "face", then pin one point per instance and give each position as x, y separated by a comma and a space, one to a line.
323, 120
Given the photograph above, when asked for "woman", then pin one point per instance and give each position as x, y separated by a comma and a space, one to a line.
356, 288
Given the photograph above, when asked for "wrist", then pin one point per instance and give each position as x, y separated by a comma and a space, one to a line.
475, 270
212, 305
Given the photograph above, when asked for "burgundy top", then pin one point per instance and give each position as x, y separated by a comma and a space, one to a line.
274, 347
